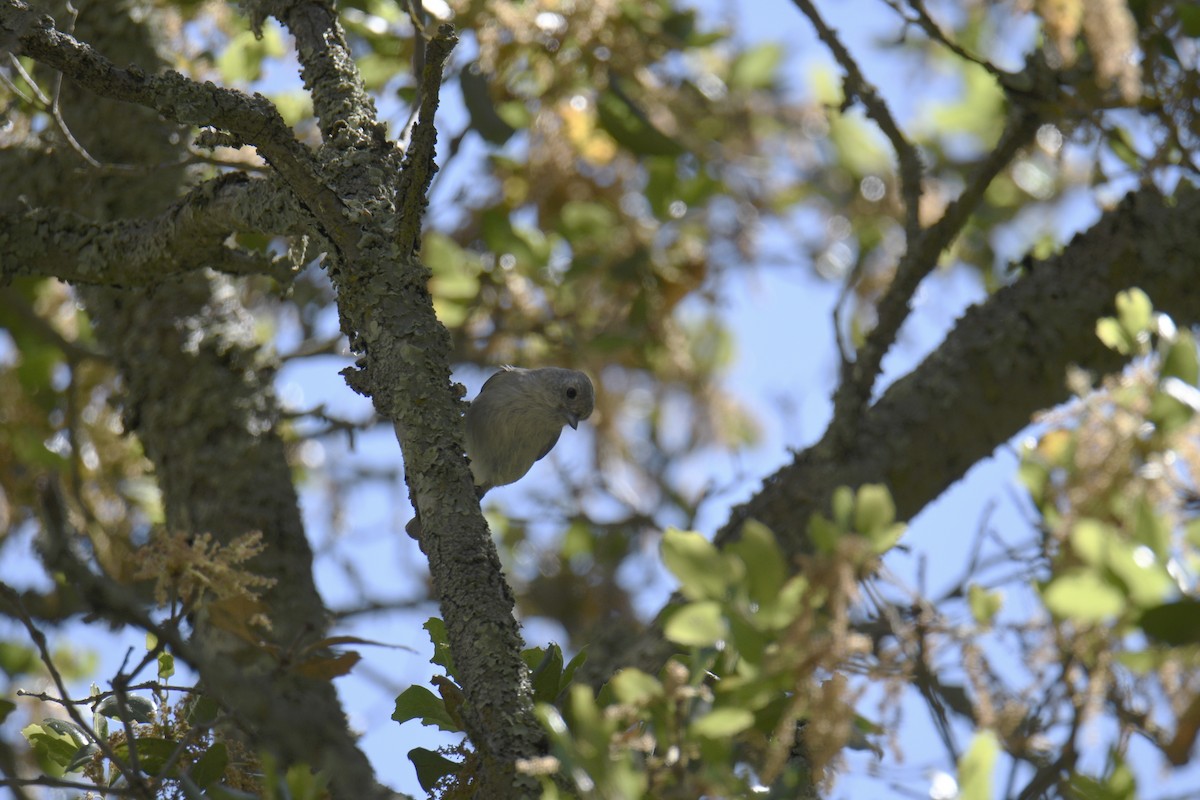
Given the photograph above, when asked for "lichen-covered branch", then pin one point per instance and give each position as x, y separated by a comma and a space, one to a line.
341, 104
191, 234
253, 119
405, 368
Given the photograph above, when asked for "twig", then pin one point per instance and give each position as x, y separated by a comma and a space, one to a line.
856, 85
934, 31
854, 391
419, 165
91, 699
416, 13
59, 783
39, 641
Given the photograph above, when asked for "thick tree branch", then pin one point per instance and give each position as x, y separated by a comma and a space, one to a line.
341, 104
190, 235
1004, 361
253, 119
385, 304
858, 378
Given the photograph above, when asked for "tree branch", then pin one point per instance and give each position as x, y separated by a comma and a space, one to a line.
190, 235
1005, 360
858, 378
856, 85
345, 112
253, 119
405, 368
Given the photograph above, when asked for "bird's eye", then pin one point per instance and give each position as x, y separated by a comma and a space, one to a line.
571, 393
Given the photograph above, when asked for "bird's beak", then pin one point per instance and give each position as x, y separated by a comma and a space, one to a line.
573, 420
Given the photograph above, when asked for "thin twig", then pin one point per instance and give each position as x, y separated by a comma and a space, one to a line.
921, 257
39, 641
59, 783
419, 165
856, 85
92, 699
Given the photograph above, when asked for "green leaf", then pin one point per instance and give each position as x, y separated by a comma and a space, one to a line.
580, 220
722, 723
210, 766
82, 756
1092, 540
1175, 624
1034, 477
984, 604
17, 659
478, 98
703, 572
842, 506
697, 625
1135, 312
1189, 19
242, 60
547, 675
441, 645
141, 709
6, 708
1145, 578
153, 752
1151, 528
757, 67
1118, 785
166, 665
823, 533
626, 123
634, 687
976, 766
874, 510
1082, 595
884, 540
203, 710
54, 750
1114, 336
778, 613
765, 564
431, 766
1181, 360
1121, 144
417, 702
569, 672
69, 728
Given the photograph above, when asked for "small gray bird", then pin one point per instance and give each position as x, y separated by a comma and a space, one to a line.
516, 420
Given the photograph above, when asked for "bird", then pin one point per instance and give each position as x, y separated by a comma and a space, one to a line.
516, 419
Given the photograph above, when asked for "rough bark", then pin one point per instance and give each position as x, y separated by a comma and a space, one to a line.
198, 394
366, 205
1005, 360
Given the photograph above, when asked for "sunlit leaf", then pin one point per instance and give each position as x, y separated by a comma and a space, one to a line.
697, 625
976, 767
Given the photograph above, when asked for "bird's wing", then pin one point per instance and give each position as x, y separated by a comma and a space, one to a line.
553, 440
503, 374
